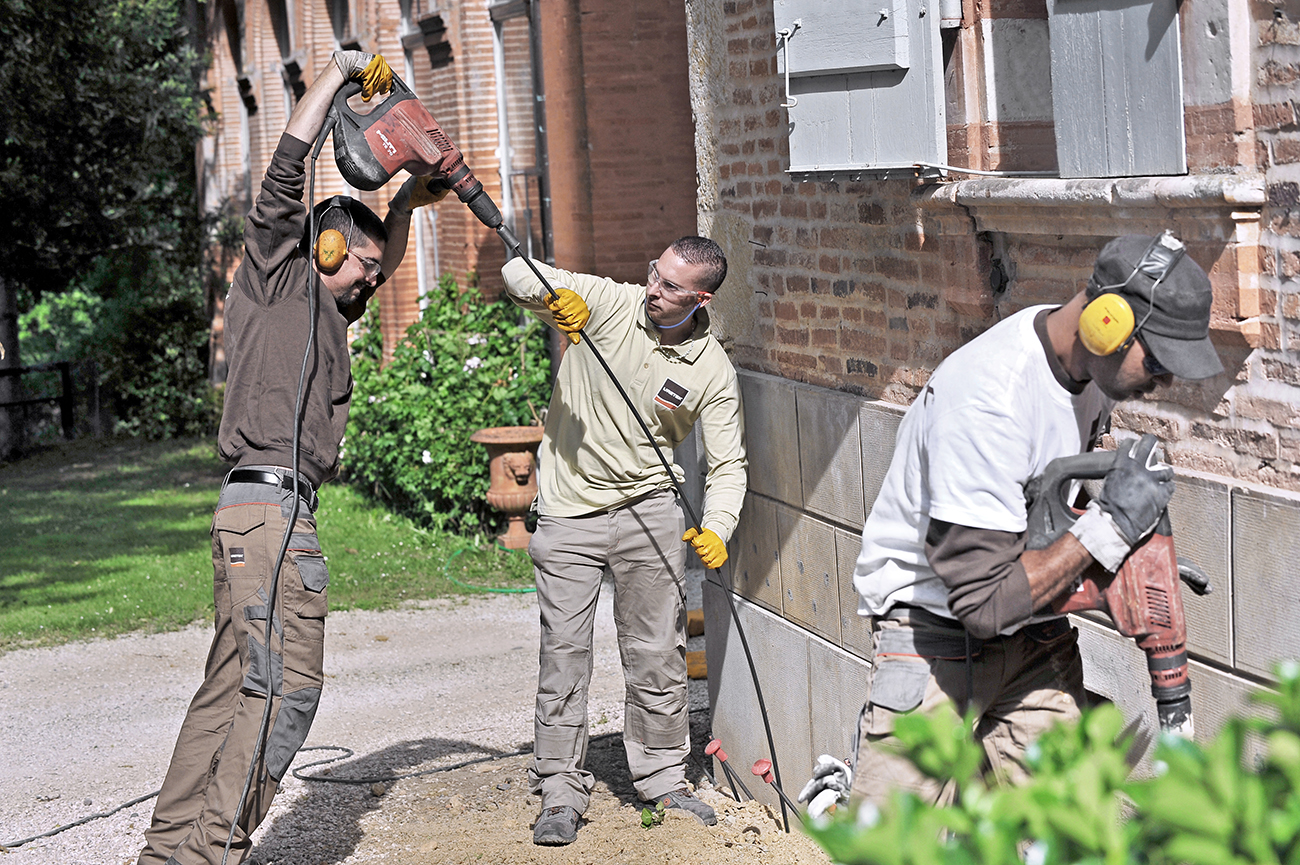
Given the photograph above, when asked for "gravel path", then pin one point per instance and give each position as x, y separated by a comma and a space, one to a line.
89, 726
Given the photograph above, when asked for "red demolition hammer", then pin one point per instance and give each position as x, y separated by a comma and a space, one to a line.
400, 134
1143, 598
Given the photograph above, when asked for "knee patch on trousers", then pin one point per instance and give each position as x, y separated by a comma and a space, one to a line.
655, 713
292, 724
265, 670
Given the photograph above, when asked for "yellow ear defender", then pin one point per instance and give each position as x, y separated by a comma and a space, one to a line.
1106, 324
331, 244
331, 249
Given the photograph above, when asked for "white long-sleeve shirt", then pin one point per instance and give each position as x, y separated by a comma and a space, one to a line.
594, 455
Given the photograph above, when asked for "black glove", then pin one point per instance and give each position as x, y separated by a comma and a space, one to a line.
1137, 489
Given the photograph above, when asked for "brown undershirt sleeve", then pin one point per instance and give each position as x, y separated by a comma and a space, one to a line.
988, 590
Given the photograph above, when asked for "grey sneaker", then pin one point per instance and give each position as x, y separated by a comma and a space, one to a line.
687, 801
557, 826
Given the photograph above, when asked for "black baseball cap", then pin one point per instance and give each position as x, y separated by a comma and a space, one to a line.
1172, 313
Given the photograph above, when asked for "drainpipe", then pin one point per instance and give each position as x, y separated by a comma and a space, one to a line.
503, 126
568, 147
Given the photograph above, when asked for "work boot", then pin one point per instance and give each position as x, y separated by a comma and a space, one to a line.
687, 801
557, 826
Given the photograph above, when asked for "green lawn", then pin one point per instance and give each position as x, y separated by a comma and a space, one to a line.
104, 538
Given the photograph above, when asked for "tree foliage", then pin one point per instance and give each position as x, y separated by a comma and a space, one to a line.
97, 173
99, 126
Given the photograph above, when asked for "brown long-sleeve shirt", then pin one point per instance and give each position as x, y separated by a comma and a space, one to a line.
266, 327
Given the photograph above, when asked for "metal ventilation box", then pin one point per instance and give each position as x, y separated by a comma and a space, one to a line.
865, 94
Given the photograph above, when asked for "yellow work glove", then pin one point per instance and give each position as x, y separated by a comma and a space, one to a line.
569, 310
711, 548
371, 70
416, 192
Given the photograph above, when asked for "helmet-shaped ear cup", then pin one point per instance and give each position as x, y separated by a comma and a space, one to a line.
331, 249
1106, 324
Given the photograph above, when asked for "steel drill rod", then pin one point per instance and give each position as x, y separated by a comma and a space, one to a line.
714, 749
763, 769
512, 243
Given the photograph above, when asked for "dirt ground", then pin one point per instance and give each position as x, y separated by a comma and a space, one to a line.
484, 813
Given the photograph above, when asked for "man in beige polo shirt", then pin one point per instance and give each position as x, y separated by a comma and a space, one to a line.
606, 500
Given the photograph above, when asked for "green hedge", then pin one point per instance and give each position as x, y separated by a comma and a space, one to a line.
1206, 804
468, 363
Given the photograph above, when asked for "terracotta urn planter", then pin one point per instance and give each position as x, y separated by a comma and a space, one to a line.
513, 471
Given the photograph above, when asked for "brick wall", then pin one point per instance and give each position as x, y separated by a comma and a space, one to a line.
866, 286
634, 91
1276, 370
640, 129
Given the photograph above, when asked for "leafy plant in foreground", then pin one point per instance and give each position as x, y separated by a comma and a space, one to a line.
1206, 804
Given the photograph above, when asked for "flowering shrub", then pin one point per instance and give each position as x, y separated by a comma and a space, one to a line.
468, 363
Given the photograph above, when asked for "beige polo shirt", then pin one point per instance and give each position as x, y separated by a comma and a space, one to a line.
594, 455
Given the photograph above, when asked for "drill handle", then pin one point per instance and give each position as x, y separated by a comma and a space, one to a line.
1049, 512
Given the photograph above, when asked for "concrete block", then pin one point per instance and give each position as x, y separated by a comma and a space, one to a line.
839, 688
878, 427
809, 586
830, 454
1201, 514
771, 436
753, 567
780, 652
1266, 605
855, 630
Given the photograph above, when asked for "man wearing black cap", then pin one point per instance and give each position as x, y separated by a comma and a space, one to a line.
962, 610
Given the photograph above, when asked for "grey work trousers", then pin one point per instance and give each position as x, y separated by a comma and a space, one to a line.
192, 817
1020, 685
641, 543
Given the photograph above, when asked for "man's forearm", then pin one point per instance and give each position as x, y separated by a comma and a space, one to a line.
398, 225
1052, 571
309, 115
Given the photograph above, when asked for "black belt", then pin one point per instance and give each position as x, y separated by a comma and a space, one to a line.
285, 482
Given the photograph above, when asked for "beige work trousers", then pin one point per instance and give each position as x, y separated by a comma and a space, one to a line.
641, 543
1020, 685
215, 747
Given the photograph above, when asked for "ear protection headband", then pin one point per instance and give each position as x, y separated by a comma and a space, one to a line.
1107, 323
331, 246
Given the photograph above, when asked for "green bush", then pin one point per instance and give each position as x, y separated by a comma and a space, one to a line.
468, 363
1211, 804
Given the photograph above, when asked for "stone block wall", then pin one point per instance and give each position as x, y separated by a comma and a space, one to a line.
791, 569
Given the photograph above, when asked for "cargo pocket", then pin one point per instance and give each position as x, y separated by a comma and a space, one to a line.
312, 602
899, 684
243, 561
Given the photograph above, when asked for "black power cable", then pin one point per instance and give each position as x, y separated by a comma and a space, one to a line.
313, 283
512, 243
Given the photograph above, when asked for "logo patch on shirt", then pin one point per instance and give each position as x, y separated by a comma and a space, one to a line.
237, 557
671, 395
